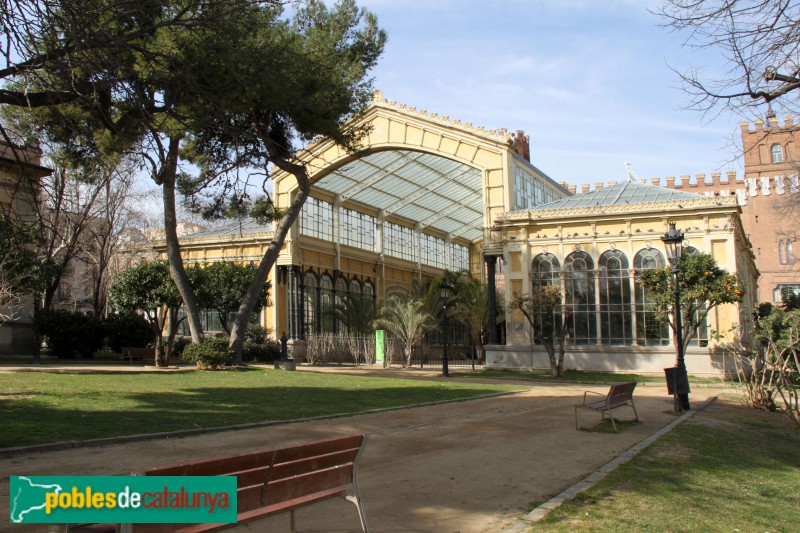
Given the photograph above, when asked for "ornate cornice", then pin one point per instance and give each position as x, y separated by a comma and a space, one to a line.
500, 134
646, 207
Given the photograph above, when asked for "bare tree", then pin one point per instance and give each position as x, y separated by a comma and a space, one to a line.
758, 39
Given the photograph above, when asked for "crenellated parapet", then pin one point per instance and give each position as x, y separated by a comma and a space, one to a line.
716, 184
771, 124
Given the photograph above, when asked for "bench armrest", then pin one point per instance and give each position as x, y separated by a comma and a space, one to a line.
592, 392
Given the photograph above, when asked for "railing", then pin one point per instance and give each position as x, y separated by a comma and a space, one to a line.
330, 349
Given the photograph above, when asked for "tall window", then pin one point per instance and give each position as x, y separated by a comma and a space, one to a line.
356, 229
431, 250
650, 331
777, 153
369, 291
545, 270
785, 252
615, 298
310, 303
326, 304
316, 219
398, 241
341, 291
530, 190
460, 257
580, 298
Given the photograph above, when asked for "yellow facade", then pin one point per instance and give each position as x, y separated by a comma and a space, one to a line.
427, 193
710, 224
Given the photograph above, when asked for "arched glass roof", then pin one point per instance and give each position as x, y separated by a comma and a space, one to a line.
435, 191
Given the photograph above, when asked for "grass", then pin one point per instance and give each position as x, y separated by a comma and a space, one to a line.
41, 407
728, 468
578, 376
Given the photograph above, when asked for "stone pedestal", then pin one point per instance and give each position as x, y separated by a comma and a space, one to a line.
285, 365
296, 349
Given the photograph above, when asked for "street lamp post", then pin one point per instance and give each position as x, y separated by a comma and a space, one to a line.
677, 377
444, 294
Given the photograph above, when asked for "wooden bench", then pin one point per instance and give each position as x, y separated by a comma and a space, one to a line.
270, 482
619, 395
138, 354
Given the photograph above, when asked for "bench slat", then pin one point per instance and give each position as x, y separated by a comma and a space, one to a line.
277, 480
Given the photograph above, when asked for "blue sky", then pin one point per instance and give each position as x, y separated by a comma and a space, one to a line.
589, 81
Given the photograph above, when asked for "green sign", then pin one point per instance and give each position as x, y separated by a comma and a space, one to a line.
122, 499
379, 346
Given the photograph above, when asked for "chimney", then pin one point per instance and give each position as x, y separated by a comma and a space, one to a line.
656, 181
522, 144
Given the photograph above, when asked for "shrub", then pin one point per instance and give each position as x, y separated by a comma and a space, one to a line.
179, 345
256, 334
127, 329
71, 334
212, 354
269, 350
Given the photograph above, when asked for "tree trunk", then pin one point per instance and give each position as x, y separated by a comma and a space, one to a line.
37, 329
176, 269
271, 255
551, 354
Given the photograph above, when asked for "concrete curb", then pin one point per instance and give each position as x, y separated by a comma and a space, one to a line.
523, 524
90, 443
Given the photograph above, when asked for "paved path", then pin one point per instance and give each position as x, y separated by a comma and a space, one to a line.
467, 466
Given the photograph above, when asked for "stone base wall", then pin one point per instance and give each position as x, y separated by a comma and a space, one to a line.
16, 339
622, 359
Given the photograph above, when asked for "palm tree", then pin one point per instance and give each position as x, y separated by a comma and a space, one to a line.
471, 308
356, 313
408, 320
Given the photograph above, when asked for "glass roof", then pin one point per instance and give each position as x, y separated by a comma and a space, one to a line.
627, 192
234, 229
435, 191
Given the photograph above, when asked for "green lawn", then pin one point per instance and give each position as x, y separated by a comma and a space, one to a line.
729, 468
40, 407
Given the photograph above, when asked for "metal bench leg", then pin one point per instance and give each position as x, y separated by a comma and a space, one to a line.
634, 410
291, 522
576, 417
355, 500
612, 422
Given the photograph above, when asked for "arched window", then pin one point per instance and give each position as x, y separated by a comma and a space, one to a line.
789, 253
616, 321
310, 302
580, 298
777, 153
369, 291
650, 331
355, 287
326, 303
545, 270
341, 291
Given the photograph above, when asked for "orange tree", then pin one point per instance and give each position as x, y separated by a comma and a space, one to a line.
704, 285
